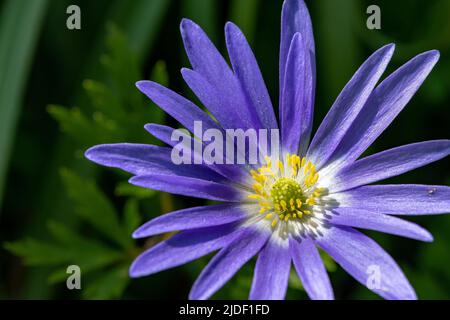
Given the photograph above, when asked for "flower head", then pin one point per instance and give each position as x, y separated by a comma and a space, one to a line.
306, 194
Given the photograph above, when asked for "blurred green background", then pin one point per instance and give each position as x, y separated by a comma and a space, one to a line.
62, 91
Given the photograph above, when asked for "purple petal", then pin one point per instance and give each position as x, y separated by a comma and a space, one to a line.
390, 163
367, 262
140, 159
249, 75
192, 218
272, 270
406, 199
187, 186
163, 133
383, 105
212, 99
234, 173
310, 269
296, 112
347, 106
379, 222
227, 262
181, 109
209, 63
182, 248
295, 19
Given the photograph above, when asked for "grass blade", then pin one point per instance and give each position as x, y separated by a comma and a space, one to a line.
19, 31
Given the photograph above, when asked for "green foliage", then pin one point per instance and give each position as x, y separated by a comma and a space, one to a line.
17, 43
101, 243
103, 260
115, 107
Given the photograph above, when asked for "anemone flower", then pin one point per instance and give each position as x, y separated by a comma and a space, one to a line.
312, 194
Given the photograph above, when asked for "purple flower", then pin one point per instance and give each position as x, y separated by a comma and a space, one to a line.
313, 194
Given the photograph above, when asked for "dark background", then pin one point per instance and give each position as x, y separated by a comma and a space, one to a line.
58, 209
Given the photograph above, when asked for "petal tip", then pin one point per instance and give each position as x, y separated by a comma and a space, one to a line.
143, 84
134, 272
390, 48
187, 24
231, 27
137, 234
433, 55
92, 153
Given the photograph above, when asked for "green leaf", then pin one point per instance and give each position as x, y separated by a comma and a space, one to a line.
38, 253
124, 189
20, 23
108, 285
132, 217
94, 207
81, 129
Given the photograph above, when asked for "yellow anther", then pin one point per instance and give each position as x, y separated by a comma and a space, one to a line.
281, 216
307, 167
274, 222
303, 162
256, 197
287, 217
315, 178
258, 188
265, 204
268, 161
263, 210
267, 171
283, 204
280, 166
269, 216
299, 214
306, 212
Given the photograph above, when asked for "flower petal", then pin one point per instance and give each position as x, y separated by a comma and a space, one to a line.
192, 218
347, 106
296, 112
272, 270
367, 262
234, 173
188, 186
408, 199
310, 269
249, 75
295, 19
209, 63
383, 105
182, 248
390, 163
141, 159
212, 99
227, 262
181, 109
364, 219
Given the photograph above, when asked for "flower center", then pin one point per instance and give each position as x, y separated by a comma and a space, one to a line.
287, 197
286, 190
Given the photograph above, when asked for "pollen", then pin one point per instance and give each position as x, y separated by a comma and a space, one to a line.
285, 189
